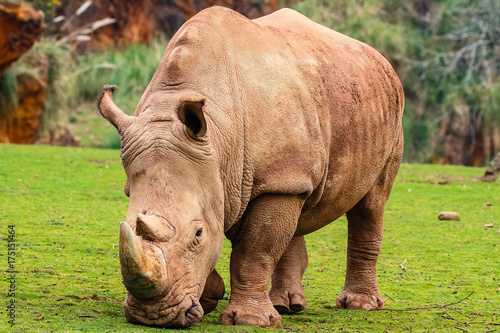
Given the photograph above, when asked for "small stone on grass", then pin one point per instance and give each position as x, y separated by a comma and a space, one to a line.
449, 216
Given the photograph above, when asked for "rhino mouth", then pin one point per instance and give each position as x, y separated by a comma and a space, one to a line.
151, 299
160, 314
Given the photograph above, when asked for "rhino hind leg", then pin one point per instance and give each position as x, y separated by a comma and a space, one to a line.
287, 294
365, 227
214, 291
267, 227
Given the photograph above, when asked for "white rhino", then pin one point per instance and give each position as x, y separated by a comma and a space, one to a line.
262, 131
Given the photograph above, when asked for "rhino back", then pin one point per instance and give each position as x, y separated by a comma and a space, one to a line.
359, 101
295, 107
350, 105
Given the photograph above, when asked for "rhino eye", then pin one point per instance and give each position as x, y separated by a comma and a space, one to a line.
199, 232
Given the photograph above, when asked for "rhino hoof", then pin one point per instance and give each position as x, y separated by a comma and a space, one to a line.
286, 302
251, 314
359, 301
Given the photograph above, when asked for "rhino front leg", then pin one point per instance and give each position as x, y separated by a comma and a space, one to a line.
267, 227
287, 294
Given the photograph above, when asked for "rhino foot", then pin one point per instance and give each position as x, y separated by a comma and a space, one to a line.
360, 301
287, 294
288, 301
252, 312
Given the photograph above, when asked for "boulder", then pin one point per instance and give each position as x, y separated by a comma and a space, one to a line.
59, 134
20, 26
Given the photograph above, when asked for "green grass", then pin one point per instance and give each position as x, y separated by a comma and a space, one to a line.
66, 205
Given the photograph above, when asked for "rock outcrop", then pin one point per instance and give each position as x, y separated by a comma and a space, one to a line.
140, 20
20, 26
23, 126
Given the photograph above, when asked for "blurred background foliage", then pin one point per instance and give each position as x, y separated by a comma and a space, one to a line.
76, 80
48, 7
446, 52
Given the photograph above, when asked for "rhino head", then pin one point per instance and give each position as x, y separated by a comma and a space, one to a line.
172, 237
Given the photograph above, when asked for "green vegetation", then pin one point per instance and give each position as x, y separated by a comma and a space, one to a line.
51, 61
74, 83
66, 205
8, 97
130, 68
48, 7
446, 53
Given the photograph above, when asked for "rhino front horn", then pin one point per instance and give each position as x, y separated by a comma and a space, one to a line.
111, 112
142, 264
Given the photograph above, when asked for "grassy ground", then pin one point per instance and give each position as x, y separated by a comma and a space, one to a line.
66, 205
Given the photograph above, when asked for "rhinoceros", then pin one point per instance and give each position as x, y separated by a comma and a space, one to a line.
261, 131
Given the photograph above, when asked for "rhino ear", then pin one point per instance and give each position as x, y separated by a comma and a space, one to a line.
191, 115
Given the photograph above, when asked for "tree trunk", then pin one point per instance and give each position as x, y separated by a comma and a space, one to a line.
464, 140
492, 170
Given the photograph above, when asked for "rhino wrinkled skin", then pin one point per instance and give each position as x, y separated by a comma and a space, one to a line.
262, 131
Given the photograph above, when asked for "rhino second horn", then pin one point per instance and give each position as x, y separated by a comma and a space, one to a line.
142, 264
111, 112
153, 228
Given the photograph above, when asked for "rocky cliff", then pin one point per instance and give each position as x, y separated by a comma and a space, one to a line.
141, 20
